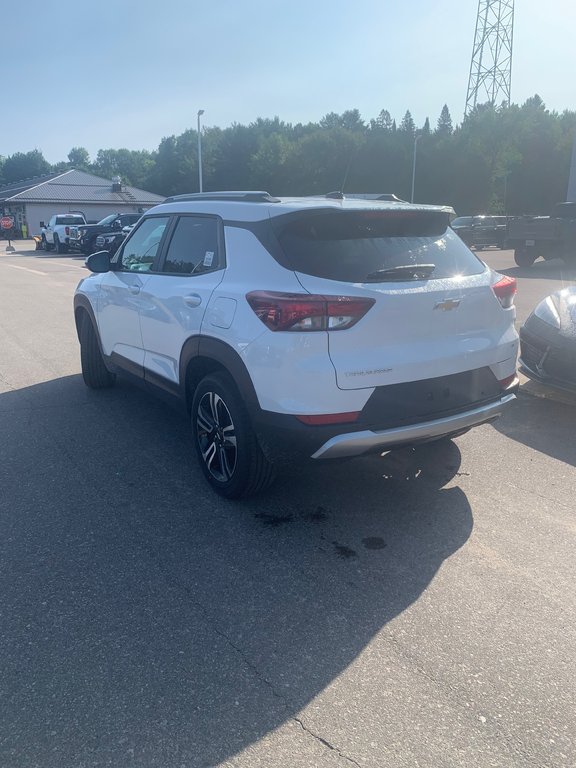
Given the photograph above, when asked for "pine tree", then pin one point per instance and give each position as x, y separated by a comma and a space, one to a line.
444, 122
407, 125
384, 120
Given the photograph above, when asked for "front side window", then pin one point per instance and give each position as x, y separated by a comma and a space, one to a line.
193, 247
140, 250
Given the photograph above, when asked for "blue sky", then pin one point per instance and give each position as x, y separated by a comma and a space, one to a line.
125, 73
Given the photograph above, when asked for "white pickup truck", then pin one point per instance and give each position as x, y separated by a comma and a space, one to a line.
56, 234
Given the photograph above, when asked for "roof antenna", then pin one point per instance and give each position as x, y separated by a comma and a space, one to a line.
345, 179
339, 195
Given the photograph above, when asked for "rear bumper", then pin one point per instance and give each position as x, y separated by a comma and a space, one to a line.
358, 443
395, 415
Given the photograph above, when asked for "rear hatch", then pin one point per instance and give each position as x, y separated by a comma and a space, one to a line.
434, 312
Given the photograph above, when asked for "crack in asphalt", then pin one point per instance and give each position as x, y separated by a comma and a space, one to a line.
250, 664
324, 742
178, 584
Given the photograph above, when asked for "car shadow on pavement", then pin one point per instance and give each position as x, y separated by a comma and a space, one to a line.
146, 621
542, 423
555, 269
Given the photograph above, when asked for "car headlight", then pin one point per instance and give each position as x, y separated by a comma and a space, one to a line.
547, 312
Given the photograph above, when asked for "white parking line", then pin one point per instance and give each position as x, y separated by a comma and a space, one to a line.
26, 269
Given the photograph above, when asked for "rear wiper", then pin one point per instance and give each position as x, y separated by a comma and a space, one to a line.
404, 272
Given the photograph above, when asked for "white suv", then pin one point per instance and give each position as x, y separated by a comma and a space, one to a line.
316, 327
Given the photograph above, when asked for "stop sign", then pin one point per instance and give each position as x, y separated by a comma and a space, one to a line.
6, 222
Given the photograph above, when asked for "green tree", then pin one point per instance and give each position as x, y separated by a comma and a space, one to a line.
350, 119
444, 126
25, 166
133, 166
79, 158
407, 126
383, 122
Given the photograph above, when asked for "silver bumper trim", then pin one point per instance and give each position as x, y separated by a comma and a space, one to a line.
357, 443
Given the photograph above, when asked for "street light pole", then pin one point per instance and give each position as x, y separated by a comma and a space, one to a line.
200, 112
416, 139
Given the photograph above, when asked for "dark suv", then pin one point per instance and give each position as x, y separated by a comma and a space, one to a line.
83, 238
481, 231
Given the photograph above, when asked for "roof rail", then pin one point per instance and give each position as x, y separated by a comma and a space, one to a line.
360, 196
232, 197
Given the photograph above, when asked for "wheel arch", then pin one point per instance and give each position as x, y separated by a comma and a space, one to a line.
83, 309
201, 356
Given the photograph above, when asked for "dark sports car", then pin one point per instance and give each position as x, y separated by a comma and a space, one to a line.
548, 341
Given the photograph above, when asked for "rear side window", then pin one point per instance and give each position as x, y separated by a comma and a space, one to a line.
359, 247
193, 247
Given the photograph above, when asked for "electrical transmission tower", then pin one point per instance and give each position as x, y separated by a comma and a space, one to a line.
491, 66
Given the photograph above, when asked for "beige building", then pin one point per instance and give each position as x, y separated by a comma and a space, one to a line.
34, 200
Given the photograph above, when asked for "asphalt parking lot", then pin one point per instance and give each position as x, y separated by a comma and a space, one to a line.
416, 609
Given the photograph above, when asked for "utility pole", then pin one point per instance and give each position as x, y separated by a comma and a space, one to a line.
200, 112
416, 140
571, 196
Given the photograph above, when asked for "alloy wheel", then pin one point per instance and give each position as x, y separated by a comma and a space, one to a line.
216, 436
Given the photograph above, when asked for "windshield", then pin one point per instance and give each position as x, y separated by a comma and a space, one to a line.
108, 219
369, 246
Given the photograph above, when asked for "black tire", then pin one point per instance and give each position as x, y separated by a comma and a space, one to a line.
524, 257
60, 247
94, 371
48, 246
43, 244
227, 448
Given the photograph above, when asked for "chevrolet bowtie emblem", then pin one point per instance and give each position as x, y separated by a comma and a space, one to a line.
447, 304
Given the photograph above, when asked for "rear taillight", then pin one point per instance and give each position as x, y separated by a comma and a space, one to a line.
67, 230
505, 290
307, 312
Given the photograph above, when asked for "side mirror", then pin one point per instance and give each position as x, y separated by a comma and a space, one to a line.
42, 225
99, 261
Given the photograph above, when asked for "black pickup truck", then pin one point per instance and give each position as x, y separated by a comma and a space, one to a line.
83, 238
481, 231
550, 237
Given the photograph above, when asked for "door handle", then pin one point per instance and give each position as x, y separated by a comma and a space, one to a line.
134, 289
193, 300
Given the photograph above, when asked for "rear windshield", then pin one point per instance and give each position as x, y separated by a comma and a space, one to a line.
69, 220
352, 247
